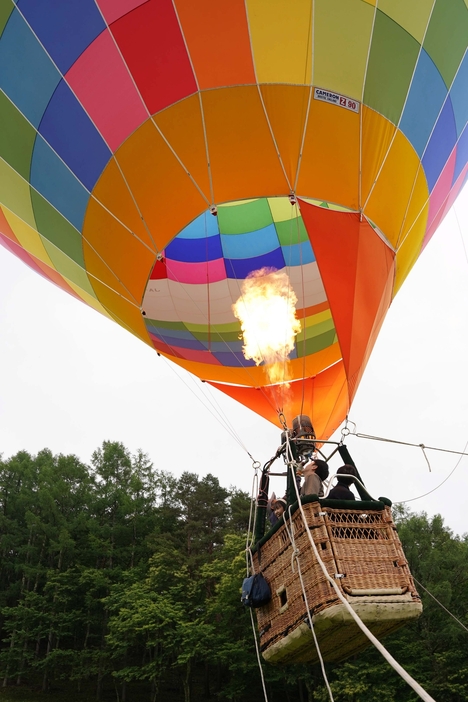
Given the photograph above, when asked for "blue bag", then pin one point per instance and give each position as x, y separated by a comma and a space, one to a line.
255, 591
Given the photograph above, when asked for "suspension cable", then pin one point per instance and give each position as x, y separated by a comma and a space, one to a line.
295, 556
258, 655
407, 443
440, 603
249, 561
388, 657
252, 516
205, 400
347, 432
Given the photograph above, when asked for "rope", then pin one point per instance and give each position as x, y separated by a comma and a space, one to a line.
388, 657
249, 562
412, 499
440, 603
204, 399
407, 443
295, 556
347, 432
252, 516
210, 396
258, 655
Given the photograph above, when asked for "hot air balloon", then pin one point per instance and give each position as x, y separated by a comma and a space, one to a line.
156, 153
125, 125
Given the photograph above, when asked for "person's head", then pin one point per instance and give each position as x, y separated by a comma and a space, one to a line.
316, 466
322, 469
346, 474
279, 507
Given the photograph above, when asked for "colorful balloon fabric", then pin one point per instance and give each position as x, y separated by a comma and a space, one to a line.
329, 135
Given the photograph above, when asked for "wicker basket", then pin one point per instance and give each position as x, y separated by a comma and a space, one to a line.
362, 552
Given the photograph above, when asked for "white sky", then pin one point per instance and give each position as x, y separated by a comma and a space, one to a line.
70, 379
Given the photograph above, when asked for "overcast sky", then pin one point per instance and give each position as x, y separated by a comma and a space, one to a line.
70, 379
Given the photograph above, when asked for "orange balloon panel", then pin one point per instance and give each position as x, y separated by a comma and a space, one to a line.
112, 192
324, 397
256, 376
330, 161
157, 179
286, 106
358, 283
182, 126
128, 257
242, 152
217, 36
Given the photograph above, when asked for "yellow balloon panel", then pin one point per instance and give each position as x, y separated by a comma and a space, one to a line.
123, 311
377, 136
412, 16
388, 200
48, 258
416, 216
27, 236
70, 270
316, 319
281, 37
281, 209
410, 250
343, 30
90, 300
15, 194
414, 229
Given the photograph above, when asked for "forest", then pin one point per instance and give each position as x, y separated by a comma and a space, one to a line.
119, 581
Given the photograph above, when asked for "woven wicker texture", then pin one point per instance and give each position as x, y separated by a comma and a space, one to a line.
364, 551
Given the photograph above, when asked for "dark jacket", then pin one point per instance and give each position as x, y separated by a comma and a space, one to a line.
340, 492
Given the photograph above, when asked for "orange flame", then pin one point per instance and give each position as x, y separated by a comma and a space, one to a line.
266, 310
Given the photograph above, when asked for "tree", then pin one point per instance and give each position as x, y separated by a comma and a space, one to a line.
123, 572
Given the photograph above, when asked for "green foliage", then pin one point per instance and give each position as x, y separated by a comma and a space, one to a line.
120, 581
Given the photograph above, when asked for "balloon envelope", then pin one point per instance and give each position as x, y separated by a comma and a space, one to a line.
124, 123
